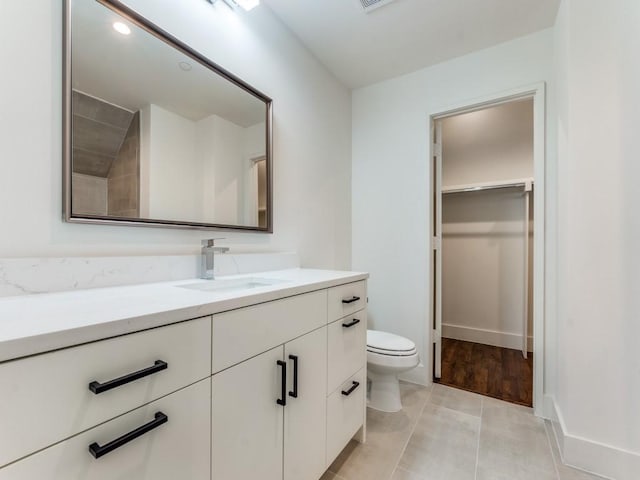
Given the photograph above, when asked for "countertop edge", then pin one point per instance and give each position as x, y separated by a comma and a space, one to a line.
27, 346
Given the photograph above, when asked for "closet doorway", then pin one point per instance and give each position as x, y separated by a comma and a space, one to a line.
484, 249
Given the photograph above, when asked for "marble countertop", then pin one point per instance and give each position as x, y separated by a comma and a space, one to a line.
32, 324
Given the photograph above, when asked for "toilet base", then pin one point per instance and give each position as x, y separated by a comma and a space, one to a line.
384, 394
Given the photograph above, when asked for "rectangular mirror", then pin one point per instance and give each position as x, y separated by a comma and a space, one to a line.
156, 134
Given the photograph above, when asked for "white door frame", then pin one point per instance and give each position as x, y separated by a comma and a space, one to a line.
537, 92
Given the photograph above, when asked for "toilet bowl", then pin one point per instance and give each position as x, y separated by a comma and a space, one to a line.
387, 356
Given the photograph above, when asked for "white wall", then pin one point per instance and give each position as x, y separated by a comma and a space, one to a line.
174, 169
312, 144
198, 170
598, 377
255, 179
254, 141
229, 180
391, 173
487, 145
483, 265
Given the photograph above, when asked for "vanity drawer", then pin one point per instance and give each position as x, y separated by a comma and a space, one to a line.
347, 348
177, 448
345, 414
246, 332
347, 299
46, 398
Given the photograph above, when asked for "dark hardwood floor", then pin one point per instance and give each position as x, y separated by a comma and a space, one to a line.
493, 371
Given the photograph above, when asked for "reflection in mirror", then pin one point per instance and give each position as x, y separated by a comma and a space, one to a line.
157, 134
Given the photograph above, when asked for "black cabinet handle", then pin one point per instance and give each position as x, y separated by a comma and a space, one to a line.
97, 451
351, 300
351, 324
283, 388
350, 391
97, 387
294, 393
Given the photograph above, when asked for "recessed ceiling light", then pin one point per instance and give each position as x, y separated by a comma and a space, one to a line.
121, 28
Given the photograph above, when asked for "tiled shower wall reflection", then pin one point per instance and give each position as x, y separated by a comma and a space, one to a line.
124, 175
106, 141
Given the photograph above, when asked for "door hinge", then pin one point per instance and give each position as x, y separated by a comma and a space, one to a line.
436, 243
437, 149
435, 336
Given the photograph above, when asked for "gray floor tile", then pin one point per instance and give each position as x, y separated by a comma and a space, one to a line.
402, 474
366, 462
488, 402
443, 442
568, 473
330, 476
443, 445
413, 397
386, 429
496, 414
511, 471
387, 435
456, 399
514, 441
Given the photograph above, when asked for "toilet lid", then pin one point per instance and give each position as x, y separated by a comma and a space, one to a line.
389, 344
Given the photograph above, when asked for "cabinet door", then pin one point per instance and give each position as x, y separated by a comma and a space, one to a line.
305, 415
173, 444
247, 420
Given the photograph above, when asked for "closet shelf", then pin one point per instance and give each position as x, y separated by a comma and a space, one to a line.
478, 187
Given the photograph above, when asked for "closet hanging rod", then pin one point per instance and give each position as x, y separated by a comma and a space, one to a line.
480, 188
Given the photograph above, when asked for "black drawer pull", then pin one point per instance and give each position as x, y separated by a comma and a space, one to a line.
351, 324
351, 300
97, 451
97, 387
350, 391
283, 387
294, 393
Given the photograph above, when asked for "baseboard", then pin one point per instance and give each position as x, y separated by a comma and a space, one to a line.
486, 337
548, 410
593, 457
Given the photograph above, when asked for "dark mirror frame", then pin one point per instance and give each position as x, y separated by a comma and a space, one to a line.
137, 19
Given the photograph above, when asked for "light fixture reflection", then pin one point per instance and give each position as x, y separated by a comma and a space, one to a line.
121, 28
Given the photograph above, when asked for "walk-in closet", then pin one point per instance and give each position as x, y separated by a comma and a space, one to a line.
485, 275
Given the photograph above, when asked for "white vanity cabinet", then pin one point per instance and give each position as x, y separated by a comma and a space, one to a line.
271, 390
47, 398
347, 360
271, 412
175, 445
246, 436
269, 408
305, 415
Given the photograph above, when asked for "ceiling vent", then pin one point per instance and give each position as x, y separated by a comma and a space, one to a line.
370, 5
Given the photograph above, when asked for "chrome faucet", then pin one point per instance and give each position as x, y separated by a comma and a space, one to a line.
207, 260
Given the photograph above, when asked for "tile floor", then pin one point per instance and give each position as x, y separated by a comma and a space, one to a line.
447, 434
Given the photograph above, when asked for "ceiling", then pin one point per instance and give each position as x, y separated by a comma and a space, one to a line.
405, 35
137, 70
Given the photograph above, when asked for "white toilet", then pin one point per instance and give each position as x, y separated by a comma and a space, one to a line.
387, 356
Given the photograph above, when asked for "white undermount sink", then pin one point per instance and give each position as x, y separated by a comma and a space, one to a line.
232, 284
